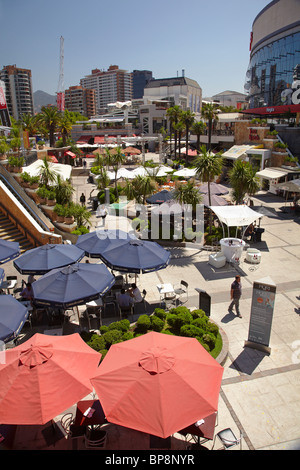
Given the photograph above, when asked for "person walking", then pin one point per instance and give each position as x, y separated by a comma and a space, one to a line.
235, 295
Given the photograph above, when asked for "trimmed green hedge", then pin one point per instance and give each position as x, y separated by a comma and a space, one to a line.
179, 321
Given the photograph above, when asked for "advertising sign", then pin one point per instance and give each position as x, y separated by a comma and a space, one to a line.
60, 101
4, 114
262, 308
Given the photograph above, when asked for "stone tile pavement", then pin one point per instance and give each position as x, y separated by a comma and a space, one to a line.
260, 393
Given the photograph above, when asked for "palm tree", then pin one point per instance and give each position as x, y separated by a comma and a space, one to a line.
49, 118
174, 115
29, 124
188, 119
209, 112
198, 129
188, 194
179, 127
81, 214
139, 188
208, 166
117, 158
63, 191
243, 180
103, 180
65, 127
47, 174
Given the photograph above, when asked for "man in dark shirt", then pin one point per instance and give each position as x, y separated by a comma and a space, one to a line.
235, 295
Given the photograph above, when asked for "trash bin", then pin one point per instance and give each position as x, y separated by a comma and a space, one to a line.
204, 301
95, 203
258, 231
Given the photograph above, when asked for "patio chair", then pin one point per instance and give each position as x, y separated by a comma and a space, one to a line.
228, 439
124, 311
182, 290
143, 301
95, 439
217, 260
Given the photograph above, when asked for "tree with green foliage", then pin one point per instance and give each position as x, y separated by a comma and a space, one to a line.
49, 118
243, 180
210, 113
188, 119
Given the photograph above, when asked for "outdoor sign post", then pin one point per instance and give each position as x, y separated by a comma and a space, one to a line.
204, 301
262, 308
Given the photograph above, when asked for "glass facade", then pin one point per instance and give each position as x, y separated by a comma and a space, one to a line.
273, 75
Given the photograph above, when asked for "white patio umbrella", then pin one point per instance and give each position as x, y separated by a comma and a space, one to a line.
186, 172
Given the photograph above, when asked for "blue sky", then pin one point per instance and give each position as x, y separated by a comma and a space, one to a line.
208, 39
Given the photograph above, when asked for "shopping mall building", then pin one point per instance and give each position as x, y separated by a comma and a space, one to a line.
273, 76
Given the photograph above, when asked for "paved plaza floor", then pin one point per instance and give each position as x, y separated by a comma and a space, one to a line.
260, 393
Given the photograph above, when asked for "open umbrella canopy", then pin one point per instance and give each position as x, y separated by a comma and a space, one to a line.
42, 377
186, 172
135, 256
158, 383
160, 197
292, 186
2, 273
44, 258
93, 243
13, 315
72, 285
215, 188
215, 200
8, 250
169, 207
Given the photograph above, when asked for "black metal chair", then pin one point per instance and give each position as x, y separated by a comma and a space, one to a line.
228, 439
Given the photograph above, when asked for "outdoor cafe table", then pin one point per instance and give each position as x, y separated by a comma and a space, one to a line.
205, 431
97, 417
166, 291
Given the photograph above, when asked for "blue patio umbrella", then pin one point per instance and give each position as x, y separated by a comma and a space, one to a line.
94, 243
160, 197
72, 285
13, 315
135, 256
1, 275
8, 250
44, 258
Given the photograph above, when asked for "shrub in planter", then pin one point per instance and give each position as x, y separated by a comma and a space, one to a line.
160, 313
200, 322
42, 192
51, 201
212, 328
199, 313
191, 331
97, 342
157, 323
80, 230
60, 212
25, 179
112, 337
143, 324
122, 325
34, 182
210, 340
127, 335
183, 317
69, 215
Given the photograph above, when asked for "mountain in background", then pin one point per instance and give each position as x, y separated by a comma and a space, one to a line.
41, 98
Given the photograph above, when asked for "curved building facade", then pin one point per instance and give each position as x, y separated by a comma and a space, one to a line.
273, 75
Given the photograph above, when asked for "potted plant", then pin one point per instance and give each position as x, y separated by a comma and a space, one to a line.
272, 134
280, 147
34, 182
4, 148
69, 215
51, 198
25, 179
60, 211
42, 192
40, 144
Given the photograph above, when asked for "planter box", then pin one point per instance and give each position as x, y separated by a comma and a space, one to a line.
69, 220
51, 202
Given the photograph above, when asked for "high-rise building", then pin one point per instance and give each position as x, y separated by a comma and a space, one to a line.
140, 78
272, 79
110, 86
81, 100
18, 90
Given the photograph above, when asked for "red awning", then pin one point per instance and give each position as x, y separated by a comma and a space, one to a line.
99, 139
267, 110
71, 154
84, 139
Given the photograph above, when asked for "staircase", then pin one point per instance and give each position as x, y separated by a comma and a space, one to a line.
8, 231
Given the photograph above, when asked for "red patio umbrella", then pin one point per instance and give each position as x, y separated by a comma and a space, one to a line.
158, 383
42, 377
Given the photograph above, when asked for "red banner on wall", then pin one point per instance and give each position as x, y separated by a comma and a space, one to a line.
4, 114
60, 101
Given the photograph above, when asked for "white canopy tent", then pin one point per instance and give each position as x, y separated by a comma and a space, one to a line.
35, 169
235, 216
